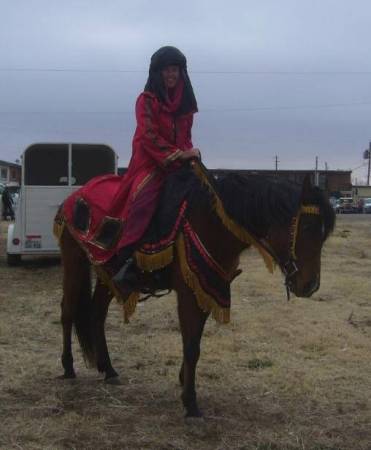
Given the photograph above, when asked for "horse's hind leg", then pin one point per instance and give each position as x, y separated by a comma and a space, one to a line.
192, 321
75, 306
67, 358
101, 301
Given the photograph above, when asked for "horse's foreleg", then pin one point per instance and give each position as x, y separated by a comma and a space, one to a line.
192, 321
101, 301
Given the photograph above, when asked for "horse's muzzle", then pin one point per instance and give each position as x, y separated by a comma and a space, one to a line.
311, 287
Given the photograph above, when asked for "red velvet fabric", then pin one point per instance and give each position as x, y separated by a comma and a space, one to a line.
159, 139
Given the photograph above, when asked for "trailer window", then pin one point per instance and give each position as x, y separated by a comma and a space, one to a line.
46, 165
88, 161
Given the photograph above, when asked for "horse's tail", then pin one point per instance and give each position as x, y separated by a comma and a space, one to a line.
77, 297
83, 316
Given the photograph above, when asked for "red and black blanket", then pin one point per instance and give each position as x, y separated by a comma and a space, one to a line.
170, 232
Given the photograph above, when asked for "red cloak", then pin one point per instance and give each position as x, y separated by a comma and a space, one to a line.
130, 200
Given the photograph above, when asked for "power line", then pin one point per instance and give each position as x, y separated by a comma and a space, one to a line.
206, 72
29, 69
360, 166
208, 110
287, 107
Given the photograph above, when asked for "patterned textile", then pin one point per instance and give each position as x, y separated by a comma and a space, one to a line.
171, 232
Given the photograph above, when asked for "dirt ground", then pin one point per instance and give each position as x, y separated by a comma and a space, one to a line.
282, 375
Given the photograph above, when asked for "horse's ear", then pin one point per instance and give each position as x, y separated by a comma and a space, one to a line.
307, 187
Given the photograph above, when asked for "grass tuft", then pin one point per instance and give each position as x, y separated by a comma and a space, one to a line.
257, 364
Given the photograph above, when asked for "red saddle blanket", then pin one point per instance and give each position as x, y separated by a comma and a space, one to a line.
95, 216
111, 212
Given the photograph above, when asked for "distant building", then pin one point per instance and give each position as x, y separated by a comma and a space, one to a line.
359, 192
10, 172
335, 183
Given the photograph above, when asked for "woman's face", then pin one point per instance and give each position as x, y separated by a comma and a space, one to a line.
170, 75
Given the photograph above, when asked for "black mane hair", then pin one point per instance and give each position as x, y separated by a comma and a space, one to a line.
257, 202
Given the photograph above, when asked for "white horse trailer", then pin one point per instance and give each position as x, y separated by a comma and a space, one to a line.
50, 172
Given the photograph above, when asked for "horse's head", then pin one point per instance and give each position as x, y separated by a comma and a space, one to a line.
298, 246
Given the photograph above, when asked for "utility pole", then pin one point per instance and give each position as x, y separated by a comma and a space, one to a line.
326, 166
316, 175
367, 155
369, 159
276, 161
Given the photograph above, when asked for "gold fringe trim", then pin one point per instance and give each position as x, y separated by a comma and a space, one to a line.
58, 229
237, 230
129, 304
154, 261
310, 209
294, 227
204, 300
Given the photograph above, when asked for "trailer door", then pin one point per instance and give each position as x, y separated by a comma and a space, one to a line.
91, 160
45, 187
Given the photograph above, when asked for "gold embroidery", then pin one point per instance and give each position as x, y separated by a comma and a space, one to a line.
310, 209
86, 232
116, 238
144, 182
172, 157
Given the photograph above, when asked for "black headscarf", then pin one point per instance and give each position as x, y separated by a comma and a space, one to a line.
168, 56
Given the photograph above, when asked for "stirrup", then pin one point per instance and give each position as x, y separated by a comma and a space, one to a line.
121, 276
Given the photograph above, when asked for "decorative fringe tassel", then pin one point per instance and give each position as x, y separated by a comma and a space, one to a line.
128, 304
204, 300
58, 228
154, 261
237, 230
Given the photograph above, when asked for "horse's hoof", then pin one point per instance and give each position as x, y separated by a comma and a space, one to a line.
181, 380
115, 381
193, 413
67, 376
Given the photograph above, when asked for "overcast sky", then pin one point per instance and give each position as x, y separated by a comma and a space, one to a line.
289, 78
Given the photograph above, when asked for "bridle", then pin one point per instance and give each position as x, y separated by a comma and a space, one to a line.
289, 266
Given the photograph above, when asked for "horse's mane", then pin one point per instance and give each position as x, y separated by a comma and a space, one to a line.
257, 202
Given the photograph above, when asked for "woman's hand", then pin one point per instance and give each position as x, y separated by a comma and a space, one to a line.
190, 154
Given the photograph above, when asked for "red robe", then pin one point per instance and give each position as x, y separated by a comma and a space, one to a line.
159, 140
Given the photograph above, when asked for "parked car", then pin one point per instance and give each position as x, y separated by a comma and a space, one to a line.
345, 205
367, 206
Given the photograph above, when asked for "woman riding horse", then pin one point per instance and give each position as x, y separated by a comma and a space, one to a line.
286, 223
161, 144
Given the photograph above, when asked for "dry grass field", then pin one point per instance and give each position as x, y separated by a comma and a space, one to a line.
282, 375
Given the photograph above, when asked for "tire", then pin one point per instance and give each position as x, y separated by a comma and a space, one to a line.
13, 260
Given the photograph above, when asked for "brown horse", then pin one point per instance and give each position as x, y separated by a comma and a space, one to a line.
289, 222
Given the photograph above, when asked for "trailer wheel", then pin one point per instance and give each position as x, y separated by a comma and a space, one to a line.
13, 260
